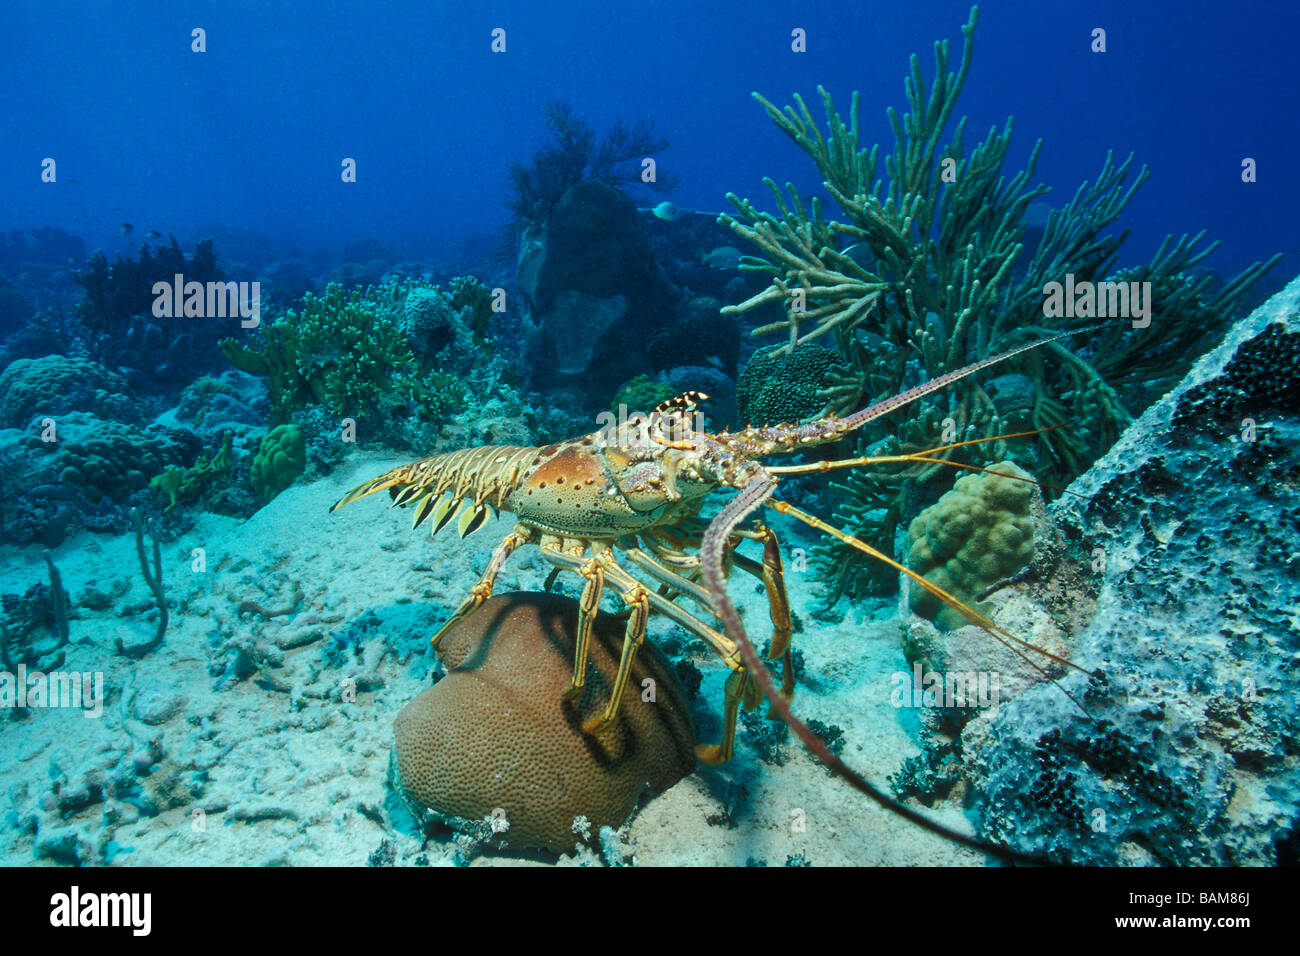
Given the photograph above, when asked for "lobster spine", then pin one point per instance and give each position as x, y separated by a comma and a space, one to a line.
484, 476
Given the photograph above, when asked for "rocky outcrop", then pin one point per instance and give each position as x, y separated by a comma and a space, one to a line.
1182, 746
594, 295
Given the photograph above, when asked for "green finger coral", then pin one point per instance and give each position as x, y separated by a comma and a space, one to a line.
346, 351
976, 535
280, 459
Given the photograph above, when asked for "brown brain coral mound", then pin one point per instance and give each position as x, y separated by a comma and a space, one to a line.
495, 733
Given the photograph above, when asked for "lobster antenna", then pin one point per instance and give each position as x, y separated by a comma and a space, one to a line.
795, 437
820, 466
1001, 474
872, 412
1005, 637
712, 550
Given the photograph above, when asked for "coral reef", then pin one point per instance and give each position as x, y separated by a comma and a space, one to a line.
448, 328
56, 384
700, 334
495, 741
923, 278
108, 460
1189, 525
280, 459
341, 352
22, 249
593, 295
211, 406
202, 481
120, 330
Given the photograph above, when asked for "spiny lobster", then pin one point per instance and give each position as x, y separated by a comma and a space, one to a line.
583, 499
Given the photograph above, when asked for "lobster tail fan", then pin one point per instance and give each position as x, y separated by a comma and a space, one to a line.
472, 519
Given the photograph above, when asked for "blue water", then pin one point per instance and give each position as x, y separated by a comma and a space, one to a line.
251, 133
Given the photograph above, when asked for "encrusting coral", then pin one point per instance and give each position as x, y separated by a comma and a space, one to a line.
934, 273
494, 740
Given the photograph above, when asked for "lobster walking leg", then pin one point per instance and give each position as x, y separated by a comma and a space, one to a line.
740, 687
481, 591
772, 574
633, 636
587, 609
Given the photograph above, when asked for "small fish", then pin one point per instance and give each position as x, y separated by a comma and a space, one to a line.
667, 211
723, 257
1038, 214
153, 234
126, 228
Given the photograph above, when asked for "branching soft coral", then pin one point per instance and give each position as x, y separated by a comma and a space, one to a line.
573, 154
925, 273
343, 353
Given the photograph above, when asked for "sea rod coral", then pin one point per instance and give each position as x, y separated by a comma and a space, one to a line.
929, 270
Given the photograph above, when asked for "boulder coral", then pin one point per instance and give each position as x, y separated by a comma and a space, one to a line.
109, 460
976, 535
280, 459
495, 739
56, 384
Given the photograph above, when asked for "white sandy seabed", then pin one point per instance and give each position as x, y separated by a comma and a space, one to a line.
276, 769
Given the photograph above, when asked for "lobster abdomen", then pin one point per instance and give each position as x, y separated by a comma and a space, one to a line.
441, 486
